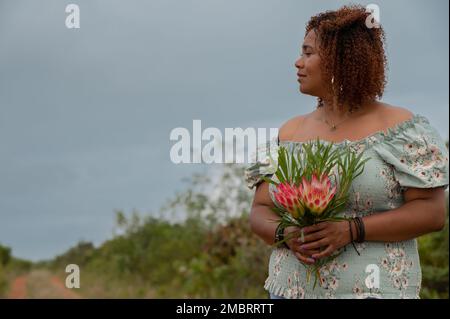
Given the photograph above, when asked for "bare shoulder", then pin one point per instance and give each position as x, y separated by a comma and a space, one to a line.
394, 114
288, 129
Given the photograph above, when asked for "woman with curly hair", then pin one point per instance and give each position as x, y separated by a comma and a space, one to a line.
398, 197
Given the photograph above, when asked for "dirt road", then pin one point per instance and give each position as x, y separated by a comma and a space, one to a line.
40, 284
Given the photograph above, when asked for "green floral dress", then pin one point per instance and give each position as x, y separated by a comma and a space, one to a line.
410, 154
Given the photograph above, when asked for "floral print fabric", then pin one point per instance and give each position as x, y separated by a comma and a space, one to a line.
410, 154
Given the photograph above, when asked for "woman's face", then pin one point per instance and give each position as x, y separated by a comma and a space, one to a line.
308, 65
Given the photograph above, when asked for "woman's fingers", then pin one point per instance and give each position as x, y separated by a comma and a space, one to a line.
307, 252
304, 259
293, 231
314, 236
319, 241
327, 252
315, 244
304, 252
296, 248
291, 234
315, 228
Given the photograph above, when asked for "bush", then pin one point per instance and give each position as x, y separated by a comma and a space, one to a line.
212, 253
433, 251
5, 255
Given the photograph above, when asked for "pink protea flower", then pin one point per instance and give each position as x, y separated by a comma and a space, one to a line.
289, 197
317, 194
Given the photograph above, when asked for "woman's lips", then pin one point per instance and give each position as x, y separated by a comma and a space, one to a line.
300, 76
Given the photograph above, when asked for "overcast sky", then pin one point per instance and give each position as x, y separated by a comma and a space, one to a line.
85, 114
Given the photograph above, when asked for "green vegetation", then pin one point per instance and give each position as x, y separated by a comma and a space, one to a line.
10, 267
5, 256
210, 254
433, 250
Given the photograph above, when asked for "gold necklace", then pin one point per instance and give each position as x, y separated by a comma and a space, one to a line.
332, 126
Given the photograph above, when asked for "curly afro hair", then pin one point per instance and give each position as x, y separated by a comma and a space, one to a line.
352, 55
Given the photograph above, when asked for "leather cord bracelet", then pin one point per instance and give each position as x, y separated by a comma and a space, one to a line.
351, 236
360, 238
279, 236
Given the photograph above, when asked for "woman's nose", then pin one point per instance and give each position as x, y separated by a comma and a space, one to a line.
299, 63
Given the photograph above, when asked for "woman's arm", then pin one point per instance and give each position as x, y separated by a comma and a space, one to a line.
261, 215
423, 212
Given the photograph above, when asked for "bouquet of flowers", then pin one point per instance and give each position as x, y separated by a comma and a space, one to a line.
312, 187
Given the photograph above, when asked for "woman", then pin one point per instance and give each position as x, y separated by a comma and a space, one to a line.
400, 194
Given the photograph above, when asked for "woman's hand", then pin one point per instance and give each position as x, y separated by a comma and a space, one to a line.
327, 237
294, 244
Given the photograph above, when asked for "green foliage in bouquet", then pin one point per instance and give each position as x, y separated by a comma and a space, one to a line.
304, 188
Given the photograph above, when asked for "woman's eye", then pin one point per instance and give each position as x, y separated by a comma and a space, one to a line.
306, 53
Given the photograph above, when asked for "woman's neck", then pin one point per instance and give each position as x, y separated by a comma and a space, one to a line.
332, 112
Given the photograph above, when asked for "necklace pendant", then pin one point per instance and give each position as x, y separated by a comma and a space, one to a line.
333, 128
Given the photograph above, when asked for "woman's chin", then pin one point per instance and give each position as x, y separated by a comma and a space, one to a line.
307, 91
303, 89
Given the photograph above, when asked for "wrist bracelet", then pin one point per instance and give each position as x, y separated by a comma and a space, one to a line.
279, 236
358, 229
351, 236
361, 230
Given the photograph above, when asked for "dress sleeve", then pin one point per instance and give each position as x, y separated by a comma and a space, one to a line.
417, 153
264, 163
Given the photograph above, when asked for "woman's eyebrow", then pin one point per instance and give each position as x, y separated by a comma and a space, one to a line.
305, 46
